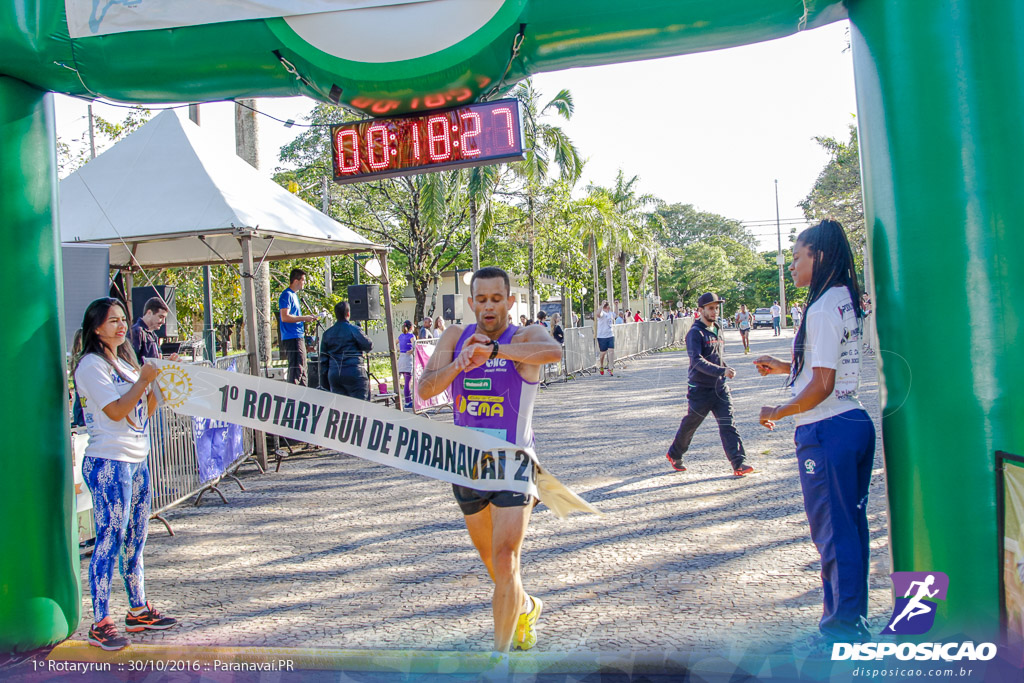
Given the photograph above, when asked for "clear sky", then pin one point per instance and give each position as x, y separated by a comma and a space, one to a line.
714, 129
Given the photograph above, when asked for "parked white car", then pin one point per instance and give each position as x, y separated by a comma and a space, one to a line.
762, 317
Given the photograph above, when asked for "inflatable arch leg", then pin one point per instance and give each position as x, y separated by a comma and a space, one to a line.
39, 591
940, 97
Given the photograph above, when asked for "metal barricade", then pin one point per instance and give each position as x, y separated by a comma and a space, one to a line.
173, 467
631, 340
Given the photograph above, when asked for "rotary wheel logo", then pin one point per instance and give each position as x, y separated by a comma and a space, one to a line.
175, 385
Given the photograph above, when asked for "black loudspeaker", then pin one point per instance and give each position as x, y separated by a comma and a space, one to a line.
364, 302
140, 295
448, 306
313, 374
86, 269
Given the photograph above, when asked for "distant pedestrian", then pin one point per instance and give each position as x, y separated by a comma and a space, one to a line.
707, 391
438, 327
143, 333
342, 364
542, 319
869, 323
406, 342
293, 331
605, 339
556, 328
777, 318
796, 313
426, 330
835, 438
743, 319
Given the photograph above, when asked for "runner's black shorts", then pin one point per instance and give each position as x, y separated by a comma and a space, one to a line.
473, 501
605, 343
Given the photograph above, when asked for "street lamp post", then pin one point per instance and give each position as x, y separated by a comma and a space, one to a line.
780, 259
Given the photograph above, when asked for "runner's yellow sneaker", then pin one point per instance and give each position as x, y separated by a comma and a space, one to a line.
525, 636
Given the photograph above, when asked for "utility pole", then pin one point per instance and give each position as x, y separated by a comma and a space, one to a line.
92, 136
780, 259
247, 147
209, 338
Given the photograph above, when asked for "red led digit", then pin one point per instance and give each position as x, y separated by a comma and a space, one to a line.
445, 138
468, 132
371, 147
342, 156
507, 113
416, 141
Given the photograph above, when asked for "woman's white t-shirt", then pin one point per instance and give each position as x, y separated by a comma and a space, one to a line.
99, 385
832, 341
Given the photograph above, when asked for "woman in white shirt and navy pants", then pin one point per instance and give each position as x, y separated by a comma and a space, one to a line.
835, 438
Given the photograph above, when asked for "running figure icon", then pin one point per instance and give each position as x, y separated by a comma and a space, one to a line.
915, 607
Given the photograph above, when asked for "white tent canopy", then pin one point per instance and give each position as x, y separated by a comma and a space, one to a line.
164, 189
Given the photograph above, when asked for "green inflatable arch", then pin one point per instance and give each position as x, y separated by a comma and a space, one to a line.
940, 89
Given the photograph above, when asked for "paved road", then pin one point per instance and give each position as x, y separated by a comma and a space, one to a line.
335, 552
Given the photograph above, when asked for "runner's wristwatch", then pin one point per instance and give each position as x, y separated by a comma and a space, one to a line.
494, 349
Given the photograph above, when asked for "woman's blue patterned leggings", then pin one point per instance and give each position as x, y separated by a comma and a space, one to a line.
120, 510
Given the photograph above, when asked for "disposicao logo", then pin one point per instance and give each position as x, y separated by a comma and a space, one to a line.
917, 596
914, 613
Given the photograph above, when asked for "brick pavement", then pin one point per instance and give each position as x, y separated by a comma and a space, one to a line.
336, 552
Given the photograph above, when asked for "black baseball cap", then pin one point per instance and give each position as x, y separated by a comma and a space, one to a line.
709, 298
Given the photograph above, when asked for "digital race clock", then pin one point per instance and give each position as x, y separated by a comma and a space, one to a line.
442, 139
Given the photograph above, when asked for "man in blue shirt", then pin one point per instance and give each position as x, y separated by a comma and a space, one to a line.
293, 329
707, 391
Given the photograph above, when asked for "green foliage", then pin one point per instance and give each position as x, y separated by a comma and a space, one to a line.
837, 192
423, 218
72, 157
683, 224
694, 269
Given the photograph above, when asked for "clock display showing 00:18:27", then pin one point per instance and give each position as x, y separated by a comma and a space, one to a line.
469, 135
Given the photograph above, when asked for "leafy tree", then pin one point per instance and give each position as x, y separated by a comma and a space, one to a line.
696, 268
683, 224
71, 158
627, 236
837, 192
544, 143
423, 218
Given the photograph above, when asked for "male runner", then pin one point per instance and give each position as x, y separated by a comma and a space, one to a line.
509, 358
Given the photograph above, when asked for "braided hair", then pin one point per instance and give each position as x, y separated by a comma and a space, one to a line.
833, 265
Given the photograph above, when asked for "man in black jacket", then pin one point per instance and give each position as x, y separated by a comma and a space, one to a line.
341, 357
707, 389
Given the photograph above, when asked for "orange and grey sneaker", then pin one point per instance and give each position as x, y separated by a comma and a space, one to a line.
677, 465
525, 635
743, 470
105, 635
147, 618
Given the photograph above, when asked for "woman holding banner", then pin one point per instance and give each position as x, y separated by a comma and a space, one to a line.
117, 403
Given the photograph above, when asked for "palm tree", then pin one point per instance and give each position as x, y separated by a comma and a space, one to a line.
630, 223
481, 183
544, 143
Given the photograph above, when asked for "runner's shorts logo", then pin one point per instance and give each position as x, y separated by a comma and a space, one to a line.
917, 596
809, 466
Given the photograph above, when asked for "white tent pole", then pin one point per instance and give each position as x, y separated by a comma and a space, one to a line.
251, 339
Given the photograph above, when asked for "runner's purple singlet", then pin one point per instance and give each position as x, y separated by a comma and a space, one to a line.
494, 398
